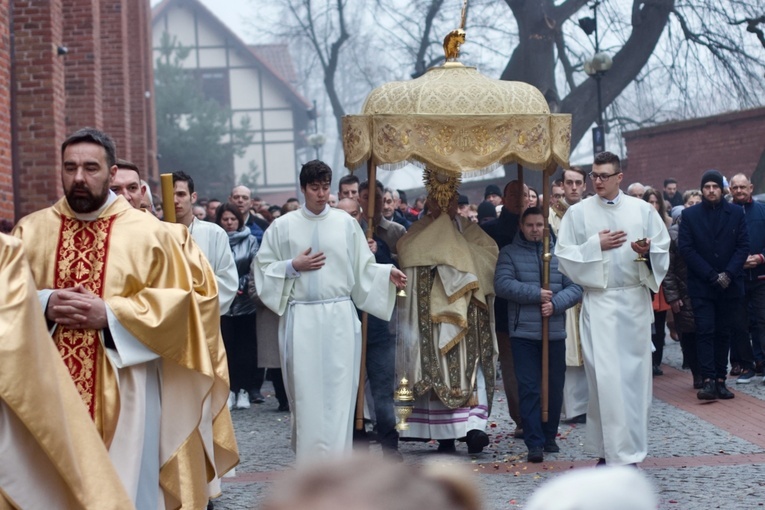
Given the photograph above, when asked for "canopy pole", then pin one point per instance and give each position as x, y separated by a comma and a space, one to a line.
521, 198
546, 258
168, 197
370, 213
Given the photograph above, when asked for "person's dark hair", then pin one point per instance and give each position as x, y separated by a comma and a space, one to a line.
669, 181
530, 211
184, 177
92, 135
379, 187
315, 171
536, 193
212, 200
228, 206
504, 190
581, 172
606, 158
648, 193
402, 196
273, 208
6, 226
292, 199
347, 179
124, 164
263, 211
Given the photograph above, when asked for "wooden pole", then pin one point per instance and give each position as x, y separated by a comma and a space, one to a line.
546, 258
370, 213
168, 197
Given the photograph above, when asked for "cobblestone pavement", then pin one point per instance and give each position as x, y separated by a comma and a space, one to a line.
701, 455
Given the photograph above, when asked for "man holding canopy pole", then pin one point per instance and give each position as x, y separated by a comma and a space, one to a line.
311, 269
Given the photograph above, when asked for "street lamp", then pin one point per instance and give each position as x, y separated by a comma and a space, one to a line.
316, 140
596, 67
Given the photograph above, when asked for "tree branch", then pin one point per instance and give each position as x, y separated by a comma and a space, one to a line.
627, 65
560, 44
567, 9
425, 42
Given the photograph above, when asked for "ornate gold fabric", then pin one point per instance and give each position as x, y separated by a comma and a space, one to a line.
478, 351
453, 278
163, 294
30, 368
455, 120
81, 260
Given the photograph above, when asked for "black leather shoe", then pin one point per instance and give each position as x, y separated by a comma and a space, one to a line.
256, 397
708, 391
697, 382
601, 462
476, 441
657, 370
446, 446
535, 455
551, 446
283, 408
723, 392
582, 418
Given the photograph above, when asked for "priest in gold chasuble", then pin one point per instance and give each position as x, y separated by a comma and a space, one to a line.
447, 342
133, 326
52, 455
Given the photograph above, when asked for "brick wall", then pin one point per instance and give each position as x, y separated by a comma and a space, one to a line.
6, 172
731, 143
116, 80
82, 65
137, 70
40, 101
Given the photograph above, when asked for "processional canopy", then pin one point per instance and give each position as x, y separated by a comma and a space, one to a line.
455, 121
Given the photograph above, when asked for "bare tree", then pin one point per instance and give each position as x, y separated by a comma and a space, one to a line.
322, 23
672, 59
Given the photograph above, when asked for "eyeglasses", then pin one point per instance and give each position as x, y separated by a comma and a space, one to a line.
601, 177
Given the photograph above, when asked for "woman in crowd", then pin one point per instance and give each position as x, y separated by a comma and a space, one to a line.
534, 198
676, 292
238, 326
660, 305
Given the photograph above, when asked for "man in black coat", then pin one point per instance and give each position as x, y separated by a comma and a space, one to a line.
714, 243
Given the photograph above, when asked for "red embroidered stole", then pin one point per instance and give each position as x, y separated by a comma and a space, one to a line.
81, 260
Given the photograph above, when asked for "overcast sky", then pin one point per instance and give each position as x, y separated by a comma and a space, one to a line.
231, 12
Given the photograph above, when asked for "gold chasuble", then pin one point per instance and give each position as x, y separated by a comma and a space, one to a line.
160, 289
448, 318
52, 455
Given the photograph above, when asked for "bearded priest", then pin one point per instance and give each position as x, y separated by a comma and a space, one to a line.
119, 297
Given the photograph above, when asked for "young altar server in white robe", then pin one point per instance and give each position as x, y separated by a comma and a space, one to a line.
313, 269
597, 249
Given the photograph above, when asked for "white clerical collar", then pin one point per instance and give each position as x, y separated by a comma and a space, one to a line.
613, 201
91, 216
312, 215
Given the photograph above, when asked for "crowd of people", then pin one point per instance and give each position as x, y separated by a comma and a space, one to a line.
165, 329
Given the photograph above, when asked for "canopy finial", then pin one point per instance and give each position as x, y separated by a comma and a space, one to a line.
456, 37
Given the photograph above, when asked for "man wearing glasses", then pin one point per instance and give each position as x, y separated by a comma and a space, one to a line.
616, 248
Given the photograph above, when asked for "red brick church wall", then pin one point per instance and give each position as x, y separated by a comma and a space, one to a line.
731, 142
101, 81
6, 169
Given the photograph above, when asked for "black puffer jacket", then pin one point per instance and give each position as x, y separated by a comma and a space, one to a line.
244, 246
675, 286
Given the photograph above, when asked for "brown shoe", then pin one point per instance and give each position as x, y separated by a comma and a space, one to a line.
518, 434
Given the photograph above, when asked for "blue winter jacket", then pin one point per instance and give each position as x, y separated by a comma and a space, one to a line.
518, 278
